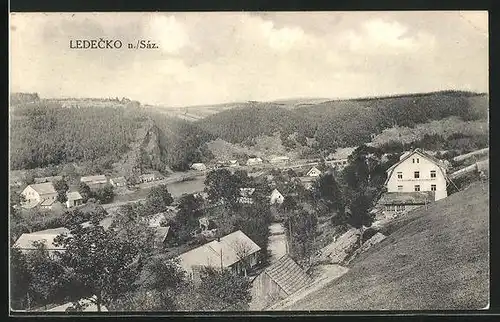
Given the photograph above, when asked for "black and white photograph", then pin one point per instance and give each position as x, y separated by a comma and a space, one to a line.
248, 162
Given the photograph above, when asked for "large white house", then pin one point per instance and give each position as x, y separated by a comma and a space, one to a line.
276, 197
39, 192
418, 171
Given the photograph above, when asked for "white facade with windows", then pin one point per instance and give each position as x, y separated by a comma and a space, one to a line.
417, 171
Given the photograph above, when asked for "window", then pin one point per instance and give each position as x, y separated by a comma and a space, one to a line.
400, 175
417, 174
433, 173
390, 207
413, 160
400, 188
433, 187
417, 160
417, 187
400, 207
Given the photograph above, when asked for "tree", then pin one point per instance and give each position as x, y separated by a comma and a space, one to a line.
228, 290
327, 190
104, 264
359, 215
45, 275
20, 278
16, 198
158, 199
105, 194
61, 187
85, 191
222, 185
301, 230
243, 251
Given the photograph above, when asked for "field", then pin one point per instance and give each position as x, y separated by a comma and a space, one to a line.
435, 258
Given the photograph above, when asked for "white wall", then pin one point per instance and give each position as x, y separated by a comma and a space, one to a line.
424, 166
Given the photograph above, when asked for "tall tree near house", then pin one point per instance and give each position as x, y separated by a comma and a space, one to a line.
103, 263
328, 190
158, 199
16, 198
301, 230
221, 185
105, 194
243, 251
358, 216
45, 275
61, 186
85, 191
20, 279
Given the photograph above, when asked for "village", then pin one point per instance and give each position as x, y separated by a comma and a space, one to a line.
416, 179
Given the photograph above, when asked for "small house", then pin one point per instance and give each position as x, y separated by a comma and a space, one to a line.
235, 251
48, 179
150, 177
36, 193
279, 160
118, 182
74, 198
95, 182
395, 203
246, 195
278, 281
25, 242
313, 172
276, 197
254, 161
199, 166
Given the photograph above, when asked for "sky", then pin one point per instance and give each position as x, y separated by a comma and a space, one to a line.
219, 57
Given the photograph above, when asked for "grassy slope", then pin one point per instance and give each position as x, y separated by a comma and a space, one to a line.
437, 258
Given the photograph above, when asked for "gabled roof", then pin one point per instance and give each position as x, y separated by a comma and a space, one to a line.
312, 170
119, 180
47, 202
100, 178
246, 192
161, 234
74, 195
43, 188
25, 241
289, 276
210, 254
406, 198
407, 155
276, 192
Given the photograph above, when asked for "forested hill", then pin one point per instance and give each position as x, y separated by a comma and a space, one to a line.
47, 132
343, 122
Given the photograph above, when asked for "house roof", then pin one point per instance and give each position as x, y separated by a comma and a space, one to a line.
25, 241
406, 198
161, 234
47, 179
100, 178
90, 307
118, 180
288, 275
74, 195
276, 192
47, 202
407, 155
246, 192
342, 153
313, 169
209, 254
44, 188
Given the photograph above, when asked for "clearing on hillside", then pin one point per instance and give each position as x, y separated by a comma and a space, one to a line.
436, 259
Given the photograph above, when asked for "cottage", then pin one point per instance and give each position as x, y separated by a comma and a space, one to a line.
280, 280
48, 179
50, 204
47, 237
279, 159
314, 172
276, 197
118, 182
418, 171
395, 203
199, 166
235, 251
34, 194
246, 195
95, 182
74, 199
150, 177
340, 158
254, 161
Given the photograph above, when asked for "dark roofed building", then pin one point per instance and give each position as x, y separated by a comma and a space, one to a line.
399, 202
278, 281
